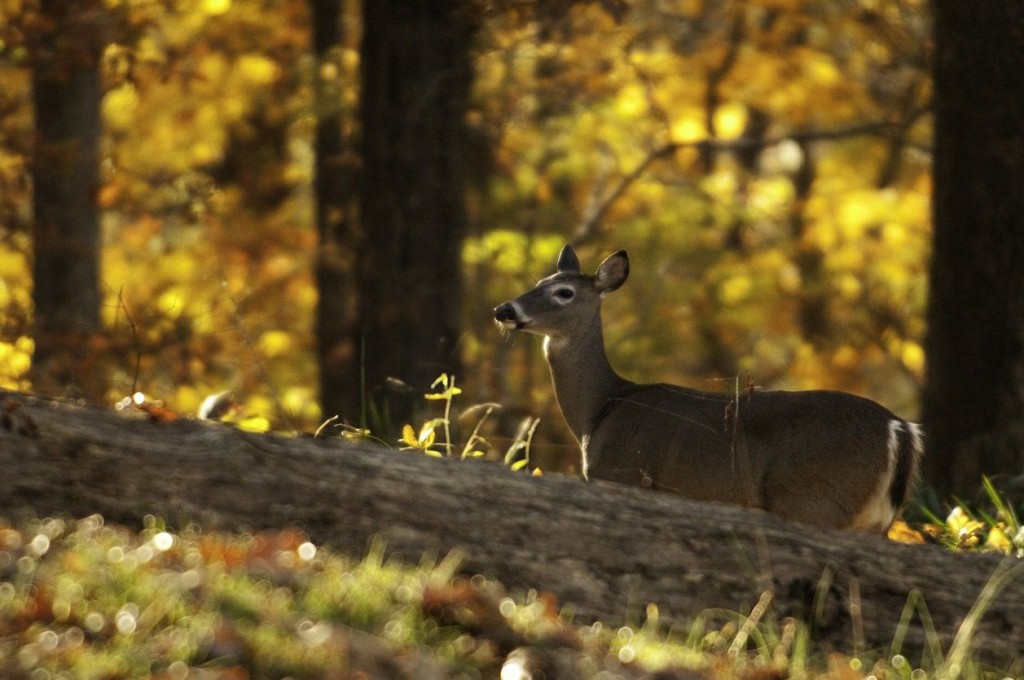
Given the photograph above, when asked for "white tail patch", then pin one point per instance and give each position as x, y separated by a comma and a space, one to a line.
878, 511
916, 438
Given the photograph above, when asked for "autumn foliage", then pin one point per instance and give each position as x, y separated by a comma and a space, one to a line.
766, 163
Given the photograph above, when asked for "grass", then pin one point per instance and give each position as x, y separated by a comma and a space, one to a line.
88, 600
990, 525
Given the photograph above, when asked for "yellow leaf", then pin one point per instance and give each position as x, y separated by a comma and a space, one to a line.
257, 69
968, 540
631, 101
998, 540
735, 288
216, 7
409, 436
172, 302
274, 343
958, 520
912, 355
822, 70
730, 119
119, 107
688, 130
901, 532
254, 424
443, 396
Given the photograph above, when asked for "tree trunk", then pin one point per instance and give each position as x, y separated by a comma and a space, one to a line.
974, 397
416, 77
334, 186
606, 551
65, 176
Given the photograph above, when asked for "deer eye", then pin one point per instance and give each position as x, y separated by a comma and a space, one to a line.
565, 293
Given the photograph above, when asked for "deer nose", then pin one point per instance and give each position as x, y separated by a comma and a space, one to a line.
506, 311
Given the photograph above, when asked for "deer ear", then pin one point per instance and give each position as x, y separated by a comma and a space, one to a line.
612, 273
567, 260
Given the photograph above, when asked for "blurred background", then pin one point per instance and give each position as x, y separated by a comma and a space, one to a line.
316, 205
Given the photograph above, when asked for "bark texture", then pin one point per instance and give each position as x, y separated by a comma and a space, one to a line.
335, 189
416, 76
974, 398
606, 551
65, 177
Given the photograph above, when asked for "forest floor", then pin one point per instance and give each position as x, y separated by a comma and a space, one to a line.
85, 599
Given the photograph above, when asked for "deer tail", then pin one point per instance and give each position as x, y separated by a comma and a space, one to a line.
906, 446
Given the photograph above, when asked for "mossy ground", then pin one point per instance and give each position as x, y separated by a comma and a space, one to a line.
83, 599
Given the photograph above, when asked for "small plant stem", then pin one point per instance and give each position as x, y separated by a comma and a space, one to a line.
475, 435
739, 643
1004, 572
324, 425
447, 418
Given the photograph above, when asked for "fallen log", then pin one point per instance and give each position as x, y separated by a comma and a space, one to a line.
605, 551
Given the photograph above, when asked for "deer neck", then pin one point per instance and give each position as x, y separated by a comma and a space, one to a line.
582, 376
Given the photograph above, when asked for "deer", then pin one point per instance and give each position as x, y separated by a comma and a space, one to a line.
820, 457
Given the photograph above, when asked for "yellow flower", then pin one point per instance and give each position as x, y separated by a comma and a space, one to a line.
998, 540
448, 387
422, 441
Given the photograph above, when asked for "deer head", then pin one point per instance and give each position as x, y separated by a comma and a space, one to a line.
568, 302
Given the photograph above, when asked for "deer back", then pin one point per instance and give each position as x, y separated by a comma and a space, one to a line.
819, 457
